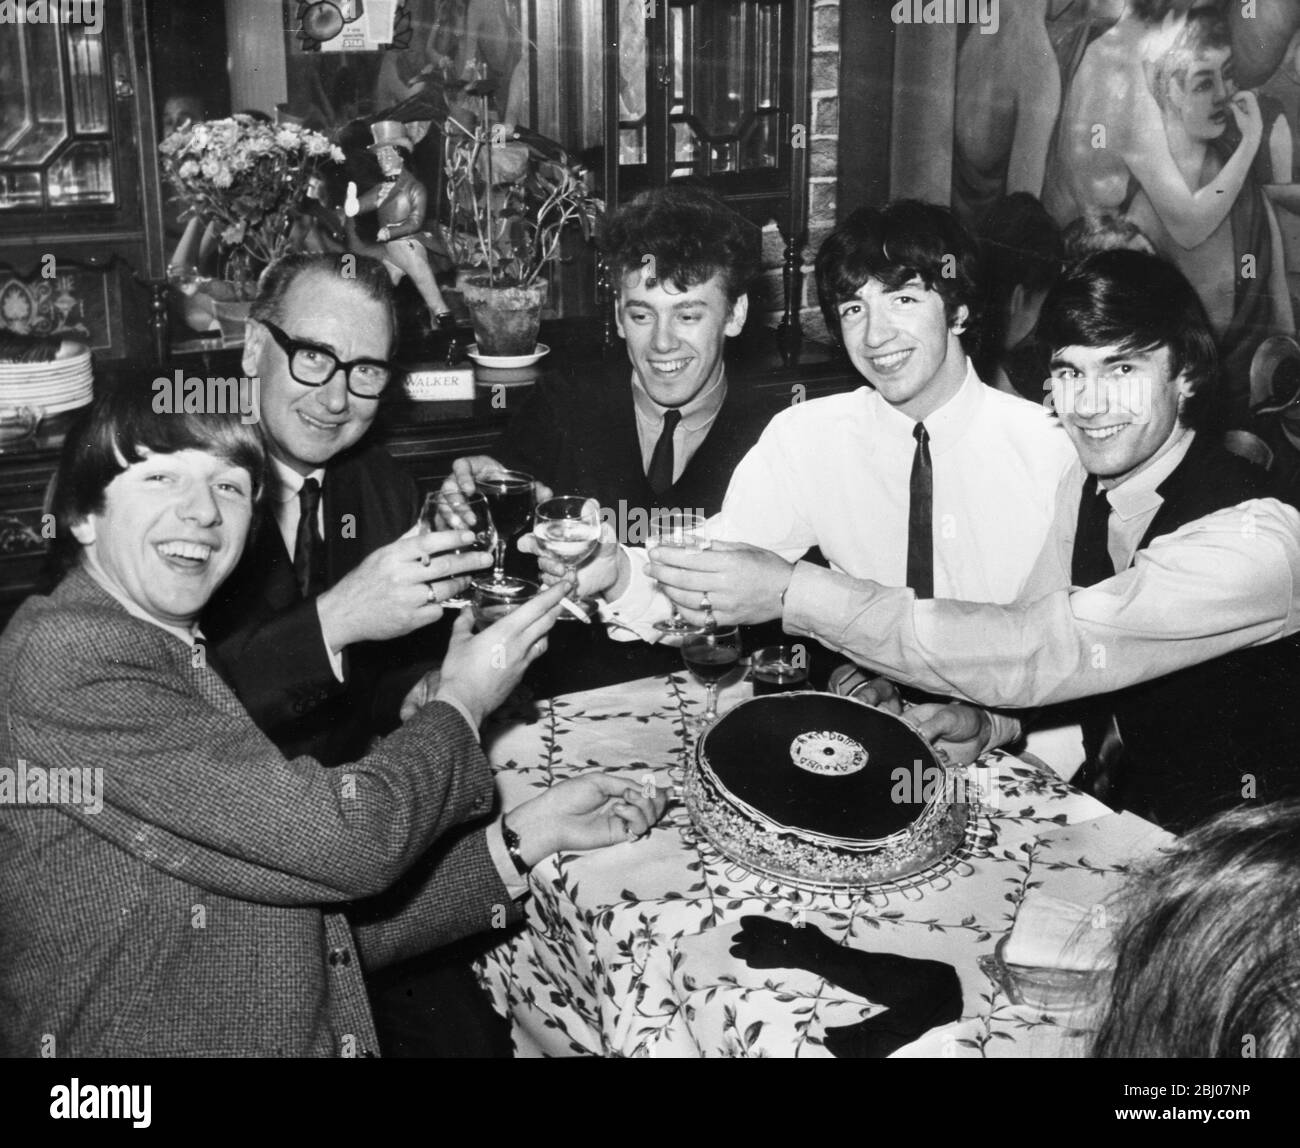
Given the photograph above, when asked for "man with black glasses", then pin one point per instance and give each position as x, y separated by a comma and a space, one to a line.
306, 627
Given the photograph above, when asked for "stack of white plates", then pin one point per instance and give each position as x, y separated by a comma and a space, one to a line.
61, 385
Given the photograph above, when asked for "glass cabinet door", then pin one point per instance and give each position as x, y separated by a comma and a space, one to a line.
56, 149
721, 71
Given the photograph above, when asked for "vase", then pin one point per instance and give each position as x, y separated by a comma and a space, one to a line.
218, 304
506, 319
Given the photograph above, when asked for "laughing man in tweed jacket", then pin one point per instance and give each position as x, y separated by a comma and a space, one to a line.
186, 896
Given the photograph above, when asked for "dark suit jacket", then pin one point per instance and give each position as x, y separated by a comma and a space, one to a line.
268, 640
580, 438
200, 911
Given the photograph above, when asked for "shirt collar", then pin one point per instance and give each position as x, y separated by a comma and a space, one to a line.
289, 481
946, 425
187, 634
1141, 494
698, 413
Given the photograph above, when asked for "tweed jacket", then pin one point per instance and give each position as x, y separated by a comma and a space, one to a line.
201, 910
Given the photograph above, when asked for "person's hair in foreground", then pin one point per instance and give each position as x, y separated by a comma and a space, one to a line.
1137, 303
1208, 946
905, 240
691, 235
117, 430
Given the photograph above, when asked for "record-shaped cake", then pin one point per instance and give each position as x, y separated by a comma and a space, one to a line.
822, 790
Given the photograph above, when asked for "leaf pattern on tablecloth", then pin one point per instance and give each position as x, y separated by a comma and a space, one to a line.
626, 950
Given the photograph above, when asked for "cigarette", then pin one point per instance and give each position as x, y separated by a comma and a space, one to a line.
576, 610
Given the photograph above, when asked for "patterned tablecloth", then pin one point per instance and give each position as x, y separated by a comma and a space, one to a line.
627, 950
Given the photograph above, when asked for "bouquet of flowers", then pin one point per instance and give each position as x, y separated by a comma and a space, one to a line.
247, 179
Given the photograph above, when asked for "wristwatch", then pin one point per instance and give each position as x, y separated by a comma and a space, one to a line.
511, 838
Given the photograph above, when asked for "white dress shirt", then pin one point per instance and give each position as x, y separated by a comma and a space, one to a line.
1218, 584
697, 420
835, 473
288, 508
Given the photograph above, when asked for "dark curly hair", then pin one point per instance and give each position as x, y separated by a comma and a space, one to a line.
691, 234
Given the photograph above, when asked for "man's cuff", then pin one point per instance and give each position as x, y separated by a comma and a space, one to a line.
819, 602
335, 660
640, 604
515, 885
1006, 729
460, 708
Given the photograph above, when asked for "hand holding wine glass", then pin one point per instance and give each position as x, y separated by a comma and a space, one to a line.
685, 531
567, 528
509, 496
456, 511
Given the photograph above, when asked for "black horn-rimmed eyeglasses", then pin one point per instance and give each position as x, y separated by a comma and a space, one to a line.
314, 366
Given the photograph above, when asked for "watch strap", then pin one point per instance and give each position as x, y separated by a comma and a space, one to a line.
511, 839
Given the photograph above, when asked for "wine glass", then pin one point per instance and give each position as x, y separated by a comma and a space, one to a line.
567, 527
675, 528
458, 511
509, 496
711, 655
493, 599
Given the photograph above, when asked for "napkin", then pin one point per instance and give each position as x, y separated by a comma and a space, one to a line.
1052, 933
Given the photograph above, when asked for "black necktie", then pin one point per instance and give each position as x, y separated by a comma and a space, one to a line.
920, 518
661, 461
308, 546
1091, 563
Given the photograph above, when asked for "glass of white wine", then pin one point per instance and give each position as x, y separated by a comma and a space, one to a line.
676, 528
567, 528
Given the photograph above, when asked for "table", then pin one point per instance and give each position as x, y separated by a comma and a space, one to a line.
626, 950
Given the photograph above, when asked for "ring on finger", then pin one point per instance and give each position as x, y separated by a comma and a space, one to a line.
705, 604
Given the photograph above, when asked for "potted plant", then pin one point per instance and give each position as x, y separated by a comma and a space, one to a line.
511, 197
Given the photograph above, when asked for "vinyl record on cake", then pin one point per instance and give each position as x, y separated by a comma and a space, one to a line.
806, 787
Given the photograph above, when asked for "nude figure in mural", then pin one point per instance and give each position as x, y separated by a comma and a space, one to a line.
1238, 270
1111, 143
1008, 95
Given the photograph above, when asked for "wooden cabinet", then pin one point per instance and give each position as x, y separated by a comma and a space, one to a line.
80, 221
715, 91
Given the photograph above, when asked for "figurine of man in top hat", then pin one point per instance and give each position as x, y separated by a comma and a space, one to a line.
401, 202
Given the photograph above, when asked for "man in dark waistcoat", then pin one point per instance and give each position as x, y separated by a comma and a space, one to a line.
1165, 592
669, 432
